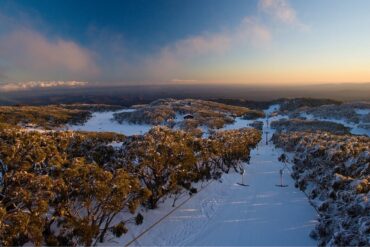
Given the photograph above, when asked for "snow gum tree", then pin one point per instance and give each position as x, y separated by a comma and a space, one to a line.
334, 172
164, 161
74, 188
234, 146
168, 161
93, 197
49, 194
25, 206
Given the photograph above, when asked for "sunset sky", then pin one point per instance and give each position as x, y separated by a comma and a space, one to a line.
188, 41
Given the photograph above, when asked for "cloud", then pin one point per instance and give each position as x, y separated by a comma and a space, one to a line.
282, 11
249, 31
29, 52
171, 59
252, 31
184, 80
22, 86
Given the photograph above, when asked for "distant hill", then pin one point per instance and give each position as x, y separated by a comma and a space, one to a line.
129, 95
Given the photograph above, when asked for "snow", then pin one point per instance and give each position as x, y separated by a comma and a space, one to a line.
179, 118
362, 111
239, 123
39, 130
229, 214
354, 128
225, 213
116, 145
272, 108
103, 122
242, 123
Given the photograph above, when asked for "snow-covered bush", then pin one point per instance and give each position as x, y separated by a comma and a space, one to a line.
55, 189
287, 105
295, 124
168, 161
72, 188
204, 113
257, 125
334, 170
42, 116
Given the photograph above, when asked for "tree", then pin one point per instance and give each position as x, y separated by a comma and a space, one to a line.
68, 188
25, 206
94, 197
164, 161
283, 158
234, 146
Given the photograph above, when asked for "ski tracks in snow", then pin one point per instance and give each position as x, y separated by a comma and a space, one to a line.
188, 221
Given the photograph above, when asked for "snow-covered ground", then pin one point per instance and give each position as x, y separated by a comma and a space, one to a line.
229, 214
239, 123
354, 128
272, 109
362, 111
103, 122
242, 123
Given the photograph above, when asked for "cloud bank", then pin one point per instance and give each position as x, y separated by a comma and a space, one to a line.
184, 80
23, 86
26, 51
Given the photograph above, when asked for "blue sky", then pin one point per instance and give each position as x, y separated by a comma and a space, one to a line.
192, 41
162, 20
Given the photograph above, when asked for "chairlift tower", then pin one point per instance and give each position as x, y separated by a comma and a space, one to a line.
281, 171
242, 173
283, 158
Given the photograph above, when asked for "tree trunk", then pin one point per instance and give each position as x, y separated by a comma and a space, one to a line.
105, 229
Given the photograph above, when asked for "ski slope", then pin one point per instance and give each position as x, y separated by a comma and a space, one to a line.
225, 213
229, 214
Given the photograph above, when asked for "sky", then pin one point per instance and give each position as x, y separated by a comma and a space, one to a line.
129, 42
